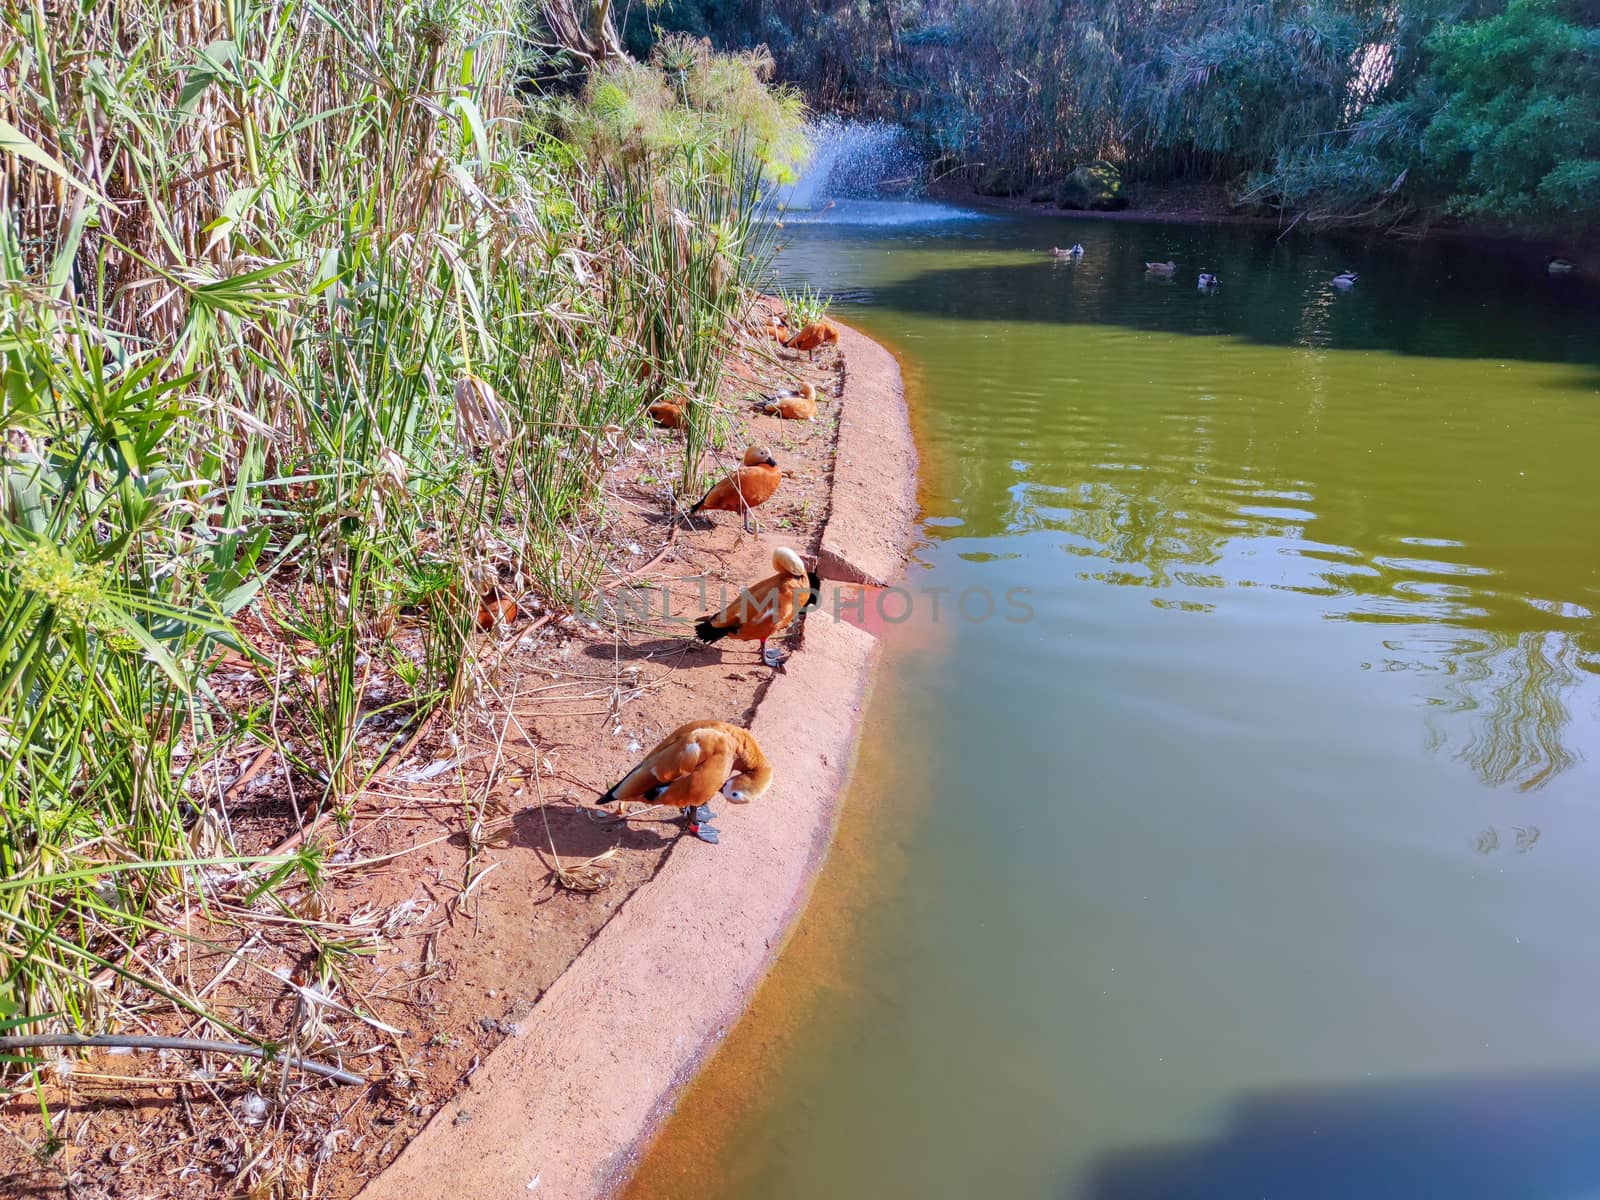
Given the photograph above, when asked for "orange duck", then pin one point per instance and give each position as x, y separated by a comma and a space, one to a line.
750, 485
764, 609
667, 413
792, 405
695, 763
813, 337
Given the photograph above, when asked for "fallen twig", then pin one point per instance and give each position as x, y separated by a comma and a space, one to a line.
35, 1041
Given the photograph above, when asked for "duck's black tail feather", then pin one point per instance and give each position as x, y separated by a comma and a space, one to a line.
708, 633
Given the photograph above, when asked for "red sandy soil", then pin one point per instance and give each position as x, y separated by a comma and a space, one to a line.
467, 881
563, 1106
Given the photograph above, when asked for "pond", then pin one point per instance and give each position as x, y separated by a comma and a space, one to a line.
1246, 843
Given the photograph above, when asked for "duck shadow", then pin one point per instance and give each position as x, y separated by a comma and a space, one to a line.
653, 649
578, 835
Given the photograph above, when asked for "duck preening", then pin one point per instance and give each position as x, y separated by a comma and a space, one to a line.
1561, 266
752, 484
766, 608
695, 763
1162, 268
1345, 279
813, 337
1208, 281
790, 404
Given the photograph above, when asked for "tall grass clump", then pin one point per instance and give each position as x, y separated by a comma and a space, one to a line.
311, 336
685, 149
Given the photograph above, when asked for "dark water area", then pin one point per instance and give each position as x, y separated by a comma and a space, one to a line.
1259, 858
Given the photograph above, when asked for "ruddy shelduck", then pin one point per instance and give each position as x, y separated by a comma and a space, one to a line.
1162, 268
792, 405
744, 489
813, 337
694, 764
765, 608
1075, 251
667, 413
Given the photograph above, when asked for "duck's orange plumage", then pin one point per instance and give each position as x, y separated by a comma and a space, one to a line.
813, 337
766, 607
792, 406
751, 485
694, 764
667, 413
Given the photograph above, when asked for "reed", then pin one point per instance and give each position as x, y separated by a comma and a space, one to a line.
311, 333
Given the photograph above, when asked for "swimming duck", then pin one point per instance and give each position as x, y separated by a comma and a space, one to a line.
790, 404
1345, 279
1162, 268
1208, 281
750, 485
765, 608
1561, 266
695, 763
1075, 251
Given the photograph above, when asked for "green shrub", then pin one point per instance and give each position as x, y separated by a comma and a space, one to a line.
1517, 135
687, 96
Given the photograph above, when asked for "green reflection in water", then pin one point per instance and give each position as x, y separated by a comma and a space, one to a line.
1260, 860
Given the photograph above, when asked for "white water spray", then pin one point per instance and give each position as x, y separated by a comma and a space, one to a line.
854, 160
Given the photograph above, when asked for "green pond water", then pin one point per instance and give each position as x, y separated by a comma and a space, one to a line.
1263, 858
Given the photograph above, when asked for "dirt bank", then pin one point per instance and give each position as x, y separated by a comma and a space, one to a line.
470, 876
562, 1104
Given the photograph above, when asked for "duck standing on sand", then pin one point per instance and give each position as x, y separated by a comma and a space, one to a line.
813, 337
1345, 279
693, 764
1207, 282
752, 484
791, 405
1162, 268
764, 609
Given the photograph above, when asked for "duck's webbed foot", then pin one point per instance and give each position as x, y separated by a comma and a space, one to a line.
697, 821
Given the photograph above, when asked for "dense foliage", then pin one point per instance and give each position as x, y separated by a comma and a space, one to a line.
311, 335
1343, 109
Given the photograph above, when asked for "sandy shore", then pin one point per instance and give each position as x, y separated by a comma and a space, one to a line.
561, 1107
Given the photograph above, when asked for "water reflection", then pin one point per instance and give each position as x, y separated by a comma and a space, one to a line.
1507, 679
1402, 455
1517, 692
1213, 880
